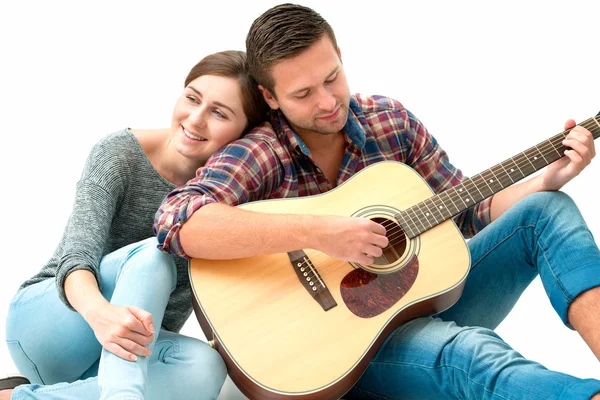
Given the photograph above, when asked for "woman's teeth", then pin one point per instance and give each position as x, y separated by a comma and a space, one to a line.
191, 136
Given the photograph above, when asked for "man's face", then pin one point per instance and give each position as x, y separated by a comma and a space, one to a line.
311, 89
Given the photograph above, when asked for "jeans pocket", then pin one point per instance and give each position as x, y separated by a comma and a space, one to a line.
23, 363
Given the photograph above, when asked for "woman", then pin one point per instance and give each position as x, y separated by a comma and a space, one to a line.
131, 299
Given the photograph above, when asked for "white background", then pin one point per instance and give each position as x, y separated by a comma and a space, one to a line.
487, 80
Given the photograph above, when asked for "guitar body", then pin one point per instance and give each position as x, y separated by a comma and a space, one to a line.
279, 342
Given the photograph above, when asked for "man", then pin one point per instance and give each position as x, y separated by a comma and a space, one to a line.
317, 137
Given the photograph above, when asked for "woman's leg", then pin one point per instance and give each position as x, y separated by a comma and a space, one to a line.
62, 348
180, 367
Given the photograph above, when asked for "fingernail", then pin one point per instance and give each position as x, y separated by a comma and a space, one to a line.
151, 327
133, 357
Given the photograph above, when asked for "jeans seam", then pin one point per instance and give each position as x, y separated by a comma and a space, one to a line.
558, 282
518, 228
37, 372
444, 366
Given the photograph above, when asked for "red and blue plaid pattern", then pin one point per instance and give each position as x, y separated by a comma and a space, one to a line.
272, 162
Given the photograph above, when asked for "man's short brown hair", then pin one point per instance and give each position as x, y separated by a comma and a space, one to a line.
281, 33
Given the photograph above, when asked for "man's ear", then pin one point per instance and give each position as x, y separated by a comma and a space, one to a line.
269, 98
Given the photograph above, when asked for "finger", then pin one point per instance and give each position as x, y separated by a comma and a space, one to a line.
134, 348
365, 259
581, 149
142, 340
569, 124
581, 134
378, 228
373, 251
576, 160
120, 352
383, 241
144, 317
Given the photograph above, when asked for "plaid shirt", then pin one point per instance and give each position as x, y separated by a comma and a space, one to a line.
272, 162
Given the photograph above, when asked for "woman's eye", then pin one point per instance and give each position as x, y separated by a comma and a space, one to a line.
220, 114
191, 98
332, 79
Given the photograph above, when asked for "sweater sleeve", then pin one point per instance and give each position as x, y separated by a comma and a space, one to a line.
98, 194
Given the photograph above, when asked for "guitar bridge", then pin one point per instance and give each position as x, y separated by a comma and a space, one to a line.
311, 280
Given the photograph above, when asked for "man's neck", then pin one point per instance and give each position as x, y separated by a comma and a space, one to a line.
318, 142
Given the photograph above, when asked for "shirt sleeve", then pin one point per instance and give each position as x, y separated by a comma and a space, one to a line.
243, 171
98, 192
432, 163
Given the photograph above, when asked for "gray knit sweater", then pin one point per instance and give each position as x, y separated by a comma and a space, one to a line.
116, 199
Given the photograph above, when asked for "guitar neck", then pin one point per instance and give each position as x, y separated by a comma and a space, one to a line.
471, 191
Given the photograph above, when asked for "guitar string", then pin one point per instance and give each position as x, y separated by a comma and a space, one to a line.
540, 148
546, 146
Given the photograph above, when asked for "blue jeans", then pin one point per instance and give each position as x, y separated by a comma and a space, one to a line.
58, 351
457, 355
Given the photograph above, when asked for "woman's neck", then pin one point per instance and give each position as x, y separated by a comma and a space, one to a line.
163, 156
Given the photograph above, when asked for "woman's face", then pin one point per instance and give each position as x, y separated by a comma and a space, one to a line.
207, 116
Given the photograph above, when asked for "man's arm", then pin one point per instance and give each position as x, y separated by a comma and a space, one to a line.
218, 231
581, 142
199, 220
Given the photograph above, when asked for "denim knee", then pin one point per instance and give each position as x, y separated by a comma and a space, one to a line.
146, 259
542, 204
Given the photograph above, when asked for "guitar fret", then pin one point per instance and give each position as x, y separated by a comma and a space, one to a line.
554, 147
426, 215
496, 179
472, 180
438, 205
529, 161
432, 201
453, 203
404, 224
470, 191
542, 154
415, 217
427, 212
506, 172
517, 165
483, 196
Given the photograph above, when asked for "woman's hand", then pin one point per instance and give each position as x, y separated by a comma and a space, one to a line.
124, 331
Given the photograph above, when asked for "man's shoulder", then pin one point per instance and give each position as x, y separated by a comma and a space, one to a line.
368, 104
262, 132
261, 142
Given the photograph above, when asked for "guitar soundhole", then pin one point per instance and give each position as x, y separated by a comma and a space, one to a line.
397, 242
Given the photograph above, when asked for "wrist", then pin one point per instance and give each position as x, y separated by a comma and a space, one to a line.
89, 311
308, 228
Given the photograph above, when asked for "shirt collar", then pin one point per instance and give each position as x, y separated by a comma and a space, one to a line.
352, 129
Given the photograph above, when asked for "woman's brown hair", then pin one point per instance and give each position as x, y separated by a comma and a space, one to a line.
232, 64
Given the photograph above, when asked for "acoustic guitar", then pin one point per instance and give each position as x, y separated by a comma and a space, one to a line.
302, 325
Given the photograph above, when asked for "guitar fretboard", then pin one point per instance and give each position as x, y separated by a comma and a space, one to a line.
448, 204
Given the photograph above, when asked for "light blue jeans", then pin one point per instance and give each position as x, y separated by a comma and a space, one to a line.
57, 350
457, 355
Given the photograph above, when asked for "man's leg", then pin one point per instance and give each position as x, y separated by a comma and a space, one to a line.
542, 234
431, 359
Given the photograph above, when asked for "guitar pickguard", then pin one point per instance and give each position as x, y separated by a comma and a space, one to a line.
367, 294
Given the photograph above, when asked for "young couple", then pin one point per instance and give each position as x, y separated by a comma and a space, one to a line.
131, 299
